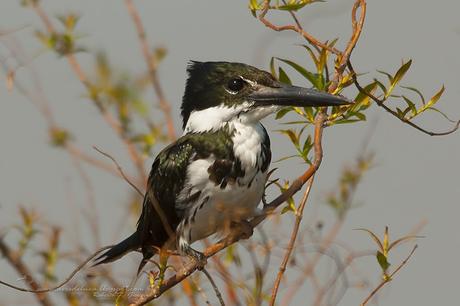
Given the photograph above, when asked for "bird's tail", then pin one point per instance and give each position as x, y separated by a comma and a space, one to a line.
131, 243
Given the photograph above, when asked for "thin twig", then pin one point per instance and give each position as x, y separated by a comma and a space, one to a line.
164, 105
381, 103
390, 278
120, 170
311, 39
214, 286
36, 288
345, 55
20, 267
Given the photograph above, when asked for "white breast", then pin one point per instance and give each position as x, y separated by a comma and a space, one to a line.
216, 206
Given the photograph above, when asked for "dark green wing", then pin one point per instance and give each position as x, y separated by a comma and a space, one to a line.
168, 175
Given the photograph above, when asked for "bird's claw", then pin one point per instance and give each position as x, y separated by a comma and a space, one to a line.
200, 260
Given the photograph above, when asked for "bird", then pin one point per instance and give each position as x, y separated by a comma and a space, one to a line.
214, 175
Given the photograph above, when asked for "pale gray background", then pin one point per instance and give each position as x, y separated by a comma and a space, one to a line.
416, 176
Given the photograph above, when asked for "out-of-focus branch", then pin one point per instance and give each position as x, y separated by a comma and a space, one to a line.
152, 68
17, 263
37, 289
111, 121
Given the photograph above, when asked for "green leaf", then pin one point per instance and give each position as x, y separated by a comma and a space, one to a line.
282, 112
398, 77
383, 261
253, 7
416, 91
360, 116
311, 77
272, 67
401, 240
283, 77
310, 114
362, 100
373, 236
411, 105
389, 76
430, 103
295, 6
381, 86
312, 55
292, 136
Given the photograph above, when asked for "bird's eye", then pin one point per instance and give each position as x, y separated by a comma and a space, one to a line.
235, 85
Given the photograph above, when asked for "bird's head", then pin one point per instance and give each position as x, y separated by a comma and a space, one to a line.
219, 91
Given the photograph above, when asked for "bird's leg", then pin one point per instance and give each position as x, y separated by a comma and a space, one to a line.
186, 250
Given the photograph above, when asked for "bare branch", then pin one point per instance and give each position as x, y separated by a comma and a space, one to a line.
36, 288
296, 28
120, 170
214, 286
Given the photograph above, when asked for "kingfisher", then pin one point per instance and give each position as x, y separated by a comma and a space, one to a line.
214, 176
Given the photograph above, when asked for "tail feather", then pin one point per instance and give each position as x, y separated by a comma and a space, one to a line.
131, 243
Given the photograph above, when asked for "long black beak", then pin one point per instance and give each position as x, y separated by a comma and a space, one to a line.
287, 95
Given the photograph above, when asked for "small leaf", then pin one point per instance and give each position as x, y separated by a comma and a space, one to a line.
389, 76
312, 55
401, 240
374, 237
272, 67
430, 103
283, 77
411, 105
381, 86
292, 136
295, 6
282, 112
311, 77
383, 262
398, 77
416, 91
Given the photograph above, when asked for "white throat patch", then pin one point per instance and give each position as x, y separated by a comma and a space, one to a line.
214, 118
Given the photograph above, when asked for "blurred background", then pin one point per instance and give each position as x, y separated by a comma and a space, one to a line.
413, 183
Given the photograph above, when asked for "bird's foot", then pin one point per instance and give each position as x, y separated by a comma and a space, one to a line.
200, 259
